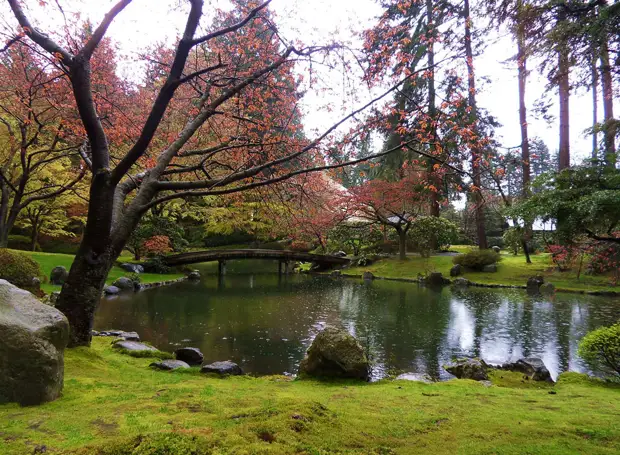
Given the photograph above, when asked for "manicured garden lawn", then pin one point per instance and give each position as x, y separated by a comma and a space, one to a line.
114, 404
512, 270
48, 261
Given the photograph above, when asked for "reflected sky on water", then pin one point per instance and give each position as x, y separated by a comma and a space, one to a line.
266, 322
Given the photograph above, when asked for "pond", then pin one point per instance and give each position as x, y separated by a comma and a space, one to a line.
265, 322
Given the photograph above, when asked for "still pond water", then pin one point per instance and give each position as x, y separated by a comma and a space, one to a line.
265, 322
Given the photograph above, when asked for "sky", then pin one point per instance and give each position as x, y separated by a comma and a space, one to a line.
145, 22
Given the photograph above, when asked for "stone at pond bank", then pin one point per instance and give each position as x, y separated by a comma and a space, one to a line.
111, 290
33, 337
456, 270
133, 346
340, 254
475, 369
533, 367
336, 273
436, 279
127, 336
222, 368
496, 249
193, 356
534, 283
491, 268
194, 275
124, 284
335, 353
132, 268
418, 377
169, 364
368, 276
58, 275
460, 282
547, 289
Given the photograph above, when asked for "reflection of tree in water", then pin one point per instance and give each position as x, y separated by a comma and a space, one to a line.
266, 322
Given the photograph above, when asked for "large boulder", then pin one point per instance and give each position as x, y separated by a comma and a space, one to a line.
534, 283
124, 283
169, 364
456, 270
436, 279
335, 353
132, 268
193, 356
533, 367
33, 337
58, 275
475, 369
133, 346
224, 368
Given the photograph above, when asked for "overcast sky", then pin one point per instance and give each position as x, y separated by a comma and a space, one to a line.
147, 21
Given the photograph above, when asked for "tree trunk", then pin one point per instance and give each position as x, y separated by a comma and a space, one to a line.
525, 144
34, 236
4, 210
402, 244
608, 106
594, 71
564, 92
432, 109
475, 149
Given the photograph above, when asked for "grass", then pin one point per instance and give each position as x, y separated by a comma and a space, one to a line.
115, 404
512, 270
48, 261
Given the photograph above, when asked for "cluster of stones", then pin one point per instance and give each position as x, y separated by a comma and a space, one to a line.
477, 369
536, 285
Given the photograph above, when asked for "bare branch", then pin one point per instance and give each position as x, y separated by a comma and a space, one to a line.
95, 39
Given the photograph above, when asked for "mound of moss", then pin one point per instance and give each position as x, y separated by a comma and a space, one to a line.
17, 268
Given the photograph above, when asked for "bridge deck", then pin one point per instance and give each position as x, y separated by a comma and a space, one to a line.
228, 255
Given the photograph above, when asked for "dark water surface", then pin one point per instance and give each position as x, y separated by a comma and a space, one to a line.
265, 323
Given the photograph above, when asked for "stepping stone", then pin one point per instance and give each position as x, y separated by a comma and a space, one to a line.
222, 368
193, 356
169, 364
133, 346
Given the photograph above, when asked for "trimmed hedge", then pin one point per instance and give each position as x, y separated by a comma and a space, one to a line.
18, 268
601, 349
477, 259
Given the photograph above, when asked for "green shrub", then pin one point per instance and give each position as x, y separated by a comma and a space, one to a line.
601, 349
21, 242
496, 241
426, 230
477, 259
512, 240
17, 268
156, 265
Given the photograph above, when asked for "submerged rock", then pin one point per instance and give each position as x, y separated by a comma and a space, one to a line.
222, 368
193, 356
418, 377
169, 364
335, 353
533, 367
475, 369
133, 346
32, 343
58, 275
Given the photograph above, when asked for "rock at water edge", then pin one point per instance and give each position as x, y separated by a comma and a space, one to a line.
222, 368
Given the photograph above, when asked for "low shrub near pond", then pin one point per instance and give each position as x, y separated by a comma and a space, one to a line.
17, 268
477, 259
601, 349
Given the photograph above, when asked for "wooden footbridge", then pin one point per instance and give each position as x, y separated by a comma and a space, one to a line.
285, 257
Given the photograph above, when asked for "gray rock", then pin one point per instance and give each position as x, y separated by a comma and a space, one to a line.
534, 283
194, 275
533, 367
418, 377
58, 275
340, 254
36, 284
475, 369
32, 344
222, 368
133, 268
111, 290
491, 268
133, 346
169, 364
460, 282
436, 279
456, 270
547, 289
128, 336
124, 284
54, 297
368, 276
496, 249
193, 356
335, 353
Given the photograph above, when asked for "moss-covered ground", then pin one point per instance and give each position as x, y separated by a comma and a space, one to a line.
512, 270
114, 404
48, 261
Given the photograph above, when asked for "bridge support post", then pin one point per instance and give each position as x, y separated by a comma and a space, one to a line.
221, 268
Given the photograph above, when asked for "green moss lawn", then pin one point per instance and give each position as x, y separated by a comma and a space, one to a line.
48, 261
512, 270
114, 404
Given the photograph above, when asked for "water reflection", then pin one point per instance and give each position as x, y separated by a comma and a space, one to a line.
266, 322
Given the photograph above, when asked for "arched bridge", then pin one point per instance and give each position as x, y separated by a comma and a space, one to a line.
284, 256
